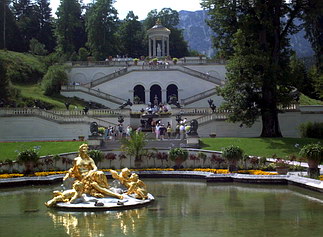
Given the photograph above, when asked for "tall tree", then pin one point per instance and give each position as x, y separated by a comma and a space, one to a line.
4, 84
10, 37
313, 21
258, 70
101, 27
69, 28
131, 35
27, 20
169, 18
46, 29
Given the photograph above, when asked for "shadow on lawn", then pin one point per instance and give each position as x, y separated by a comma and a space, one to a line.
290, 146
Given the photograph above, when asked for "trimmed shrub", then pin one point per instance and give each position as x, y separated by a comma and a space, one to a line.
311, 130
54, 78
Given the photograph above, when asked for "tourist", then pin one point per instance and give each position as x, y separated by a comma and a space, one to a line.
182, 131
162, 131
169, 130
157, 131
177, 131
128, 131
120, 130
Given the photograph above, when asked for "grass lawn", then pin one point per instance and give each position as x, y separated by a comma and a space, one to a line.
8, 149
35, 92
265, 147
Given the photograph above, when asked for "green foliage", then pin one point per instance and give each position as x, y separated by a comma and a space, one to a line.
12, 40
134, 145
29, 159
69, 29
101, 130
83, 54
317, 78
232, 153
28, 155
312, 152
305, 100
311, 130
178, 153
100, 22
22, 68
259, 79
36, 47
53, 80
132, 36
96, 155
4, 84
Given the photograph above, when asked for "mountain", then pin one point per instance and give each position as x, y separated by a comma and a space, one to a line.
198, 35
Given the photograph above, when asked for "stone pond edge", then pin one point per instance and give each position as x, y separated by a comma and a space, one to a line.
307, 183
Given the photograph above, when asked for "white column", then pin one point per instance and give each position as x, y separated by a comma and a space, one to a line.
147, 96
149, 43
163, 99
154, 47
167, 46
163, 47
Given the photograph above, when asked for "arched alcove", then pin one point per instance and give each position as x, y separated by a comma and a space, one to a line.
171, 90
155, 91
139, 91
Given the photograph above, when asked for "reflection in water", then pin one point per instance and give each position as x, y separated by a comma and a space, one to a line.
98, 223
182, 208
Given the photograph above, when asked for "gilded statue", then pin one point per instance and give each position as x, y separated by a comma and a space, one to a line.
69, 195
88, 180
137, 187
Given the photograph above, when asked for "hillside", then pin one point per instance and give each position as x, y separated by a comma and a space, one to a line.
25, 73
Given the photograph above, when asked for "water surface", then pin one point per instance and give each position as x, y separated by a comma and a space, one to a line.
182, 208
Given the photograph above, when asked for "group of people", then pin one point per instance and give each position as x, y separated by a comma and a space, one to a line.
161, 131
161, 108
182, 128
117, 132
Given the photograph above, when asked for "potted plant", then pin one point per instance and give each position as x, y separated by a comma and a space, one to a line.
175, 60
134, 146
282, 166
232, 154
178, 155
155, 60
135, 60
101, 130
314, 155
29, 159
136, 99
96, 155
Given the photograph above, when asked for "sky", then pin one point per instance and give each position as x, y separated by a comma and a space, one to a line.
142, 7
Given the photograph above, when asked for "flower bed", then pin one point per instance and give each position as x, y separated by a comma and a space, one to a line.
215, 171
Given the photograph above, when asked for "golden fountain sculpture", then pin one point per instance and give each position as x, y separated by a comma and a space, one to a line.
90, 188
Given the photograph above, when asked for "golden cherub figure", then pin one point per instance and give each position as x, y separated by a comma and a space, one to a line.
137, 187
69, 195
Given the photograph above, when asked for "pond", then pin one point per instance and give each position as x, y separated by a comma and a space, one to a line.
182, 208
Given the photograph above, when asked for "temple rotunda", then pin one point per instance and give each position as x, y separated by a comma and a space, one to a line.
158, 37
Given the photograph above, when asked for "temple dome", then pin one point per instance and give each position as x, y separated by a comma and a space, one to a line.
158, 27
